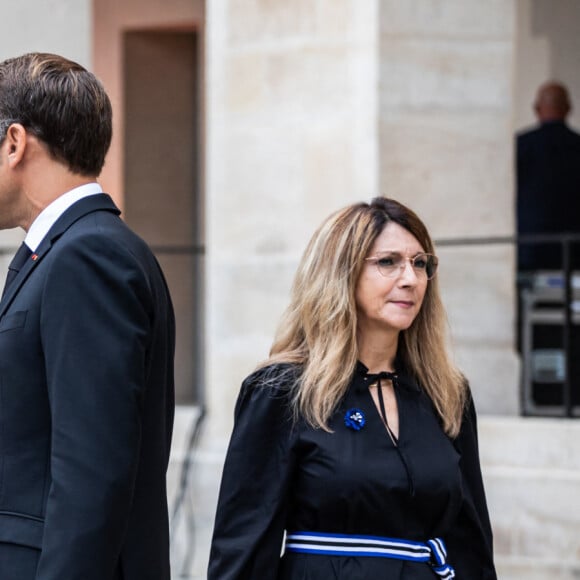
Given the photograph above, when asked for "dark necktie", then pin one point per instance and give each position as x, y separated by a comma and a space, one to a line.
23, 253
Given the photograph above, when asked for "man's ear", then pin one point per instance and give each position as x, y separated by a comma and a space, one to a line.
15, 144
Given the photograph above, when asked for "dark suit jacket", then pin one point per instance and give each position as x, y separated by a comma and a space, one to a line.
548, 190
86, 405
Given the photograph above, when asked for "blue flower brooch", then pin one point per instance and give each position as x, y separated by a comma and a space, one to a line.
354, 419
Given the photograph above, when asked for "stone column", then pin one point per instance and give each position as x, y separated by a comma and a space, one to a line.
291, 136
446, 150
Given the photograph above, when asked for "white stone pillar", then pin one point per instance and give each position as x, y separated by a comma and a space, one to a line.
446, 150
292, 117
291, 136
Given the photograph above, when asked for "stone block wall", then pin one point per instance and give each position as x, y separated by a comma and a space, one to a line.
548, 47
532, 476
445, 105
291, 136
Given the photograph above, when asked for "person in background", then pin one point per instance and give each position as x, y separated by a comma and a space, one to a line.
86, 346
548, 180
356, 440
547, 200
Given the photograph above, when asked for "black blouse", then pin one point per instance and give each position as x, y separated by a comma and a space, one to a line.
282, 475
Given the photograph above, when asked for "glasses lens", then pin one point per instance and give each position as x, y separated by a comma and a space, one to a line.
428, 264
390, 264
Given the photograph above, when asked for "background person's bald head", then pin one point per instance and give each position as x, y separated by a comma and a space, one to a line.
552, 102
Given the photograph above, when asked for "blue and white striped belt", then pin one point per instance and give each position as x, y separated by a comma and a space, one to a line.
432, 552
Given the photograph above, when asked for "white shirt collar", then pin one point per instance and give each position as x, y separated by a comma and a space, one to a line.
48, 216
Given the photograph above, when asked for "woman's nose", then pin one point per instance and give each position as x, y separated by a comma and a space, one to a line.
407, 276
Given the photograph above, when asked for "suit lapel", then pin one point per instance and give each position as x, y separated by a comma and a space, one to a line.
86, 205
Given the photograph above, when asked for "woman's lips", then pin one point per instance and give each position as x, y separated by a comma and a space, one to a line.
403, 303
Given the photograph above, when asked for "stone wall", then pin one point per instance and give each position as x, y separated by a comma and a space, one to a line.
446, 150
548, 47
532, 476
291, 136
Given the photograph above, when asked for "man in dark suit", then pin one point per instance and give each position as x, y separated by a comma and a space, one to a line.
548, 202
548, 179
86, 346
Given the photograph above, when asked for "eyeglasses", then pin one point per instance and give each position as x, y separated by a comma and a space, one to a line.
391, 264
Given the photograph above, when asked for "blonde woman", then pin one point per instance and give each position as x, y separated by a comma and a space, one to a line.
354, 451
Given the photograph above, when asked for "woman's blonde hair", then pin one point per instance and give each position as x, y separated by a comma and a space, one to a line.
319, 328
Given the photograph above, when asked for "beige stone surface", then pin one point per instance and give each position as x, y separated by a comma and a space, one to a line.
534, 510
548, 45
446, 151
445, 74
531, 443
243, 324
255, 21
532, 475
453, 168
59, 26
262, 293
492, 371
478, 292
536, 569
477, 288
448, 18
292, 136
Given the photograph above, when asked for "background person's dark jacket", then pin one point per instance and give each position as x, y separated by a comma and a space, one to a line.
548, 191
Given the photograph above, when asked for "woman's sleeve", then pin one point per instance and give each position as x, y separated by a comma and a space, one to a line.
470, 542
251, 511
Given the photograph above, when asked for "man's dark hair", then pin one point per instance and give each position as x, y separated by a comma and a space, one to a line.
62, 104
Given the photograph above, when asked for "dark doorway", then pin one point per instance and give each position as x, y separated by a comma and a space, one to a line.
162, 185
